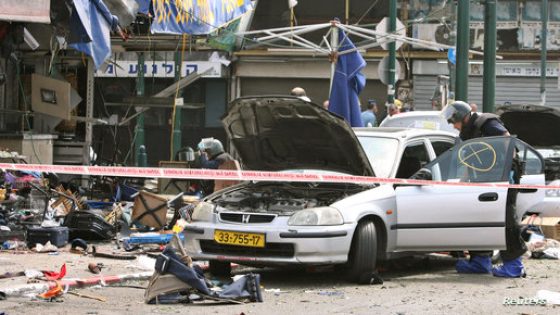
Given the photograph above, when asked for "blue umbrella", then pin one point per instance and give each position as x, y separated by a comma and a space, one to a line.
347, 83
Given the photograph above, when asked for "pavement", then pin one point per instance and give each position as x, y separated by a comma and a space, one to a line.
419, 285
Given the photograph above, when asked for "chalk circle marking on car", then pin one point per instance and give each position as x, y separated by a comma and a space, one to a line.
470, 156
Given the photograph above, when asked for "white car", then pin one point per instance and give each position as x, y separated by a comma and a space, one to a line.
419, 119
355, 225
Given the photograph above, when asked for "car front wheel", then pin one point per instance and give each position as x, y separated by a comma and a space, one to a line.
363, 254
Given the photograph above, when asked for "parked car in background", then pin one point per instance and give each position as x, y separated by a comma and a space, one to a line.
539, 126
353, 225
419, 119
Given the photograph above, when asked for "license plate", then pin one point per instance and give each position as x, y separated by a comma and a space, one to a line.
239, 238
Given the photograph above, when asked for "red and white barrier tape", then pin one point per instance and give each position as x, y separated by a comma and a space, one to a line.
20, 290
209, 174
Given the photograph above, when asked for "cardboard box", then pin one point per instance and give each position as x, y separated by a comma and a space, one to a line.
549, 225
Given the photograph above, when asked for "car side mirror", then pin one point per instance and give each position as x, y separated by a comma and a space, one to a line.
422, 174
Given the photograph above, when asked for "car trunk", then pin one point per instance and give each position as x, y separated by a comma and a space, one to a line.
538, 126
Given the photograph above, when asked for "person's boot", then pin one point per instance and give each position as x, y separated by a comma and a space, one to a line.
477, 264
510, 269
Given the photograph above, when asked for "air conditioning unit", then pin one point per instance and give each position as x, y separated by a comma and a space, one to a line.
434, 32
530, 37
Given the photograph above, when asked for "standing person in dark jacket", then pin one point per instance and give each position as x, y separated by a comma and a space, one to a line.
474, 125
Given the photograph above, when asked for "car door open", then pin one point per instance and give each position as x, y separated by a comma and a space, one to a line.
469, 213
532, 165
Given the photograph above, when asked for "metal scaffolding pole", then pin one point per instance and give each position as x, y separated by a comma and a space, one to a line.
334, 51
463, 43
544, 31
140, 149
177, 140
489, 75
392, 52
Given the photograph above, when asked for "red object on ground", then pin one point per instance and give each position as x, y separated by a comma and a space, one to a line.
53, 275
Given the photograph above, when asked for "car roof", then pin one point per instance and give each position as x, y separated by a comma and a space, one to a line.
421, 113
419, 119
400, 133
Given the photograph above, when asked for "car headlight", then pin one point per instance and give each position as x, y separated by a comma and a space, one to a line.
317, 216
203, 211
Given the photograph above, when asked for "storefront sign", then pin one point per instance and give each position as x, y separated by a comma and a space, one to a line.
34, 11
520, 70
159, 69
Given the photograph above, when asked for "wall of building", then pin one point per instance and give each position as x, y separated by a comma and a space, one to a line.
517, 82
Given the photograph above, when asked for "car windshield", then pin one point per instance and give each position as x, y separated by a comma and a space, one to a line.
381, 153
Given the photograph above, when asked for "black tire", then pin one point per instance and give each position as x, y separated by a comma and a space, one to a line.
220, 268
363, 254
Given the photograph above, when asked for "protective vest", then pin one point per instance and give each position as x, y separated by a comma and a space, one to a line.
473, 128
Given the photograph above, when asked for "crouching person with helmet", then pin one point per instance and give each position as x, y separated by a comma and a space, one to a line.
474, 125
212, 156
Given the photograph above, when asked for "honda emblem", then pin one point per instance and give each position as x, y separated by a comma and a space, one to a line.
245, 218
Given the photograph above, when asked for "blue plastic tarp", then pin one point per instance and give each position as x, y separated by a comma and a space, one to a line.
91, 25
347, 83
144, 6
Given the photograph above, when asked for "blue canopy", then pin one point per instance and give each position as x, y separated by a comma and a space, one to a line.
347, 83
91, 24
197, 17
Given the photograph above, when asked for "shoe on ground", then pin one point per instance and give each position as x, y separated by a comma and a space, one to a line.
476, 264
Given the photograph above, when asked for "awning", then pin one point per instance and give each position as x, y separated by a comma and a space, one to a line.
34, 11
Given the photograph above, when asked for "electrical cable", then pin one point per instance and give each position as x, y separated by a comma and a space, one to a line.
366, 12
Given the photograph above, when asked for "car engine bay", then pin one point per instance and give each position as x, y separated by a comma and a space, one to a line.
284, 198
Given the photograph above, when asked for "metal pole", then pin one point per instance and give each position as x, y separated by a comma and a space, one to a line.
544, 16
347, 12
489, 75
177, 140
462, 65
392, 52
90, 88
140, 149
334, 51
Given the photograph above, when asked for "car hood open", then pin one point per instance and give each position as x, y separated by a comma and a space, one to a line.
277, 133
535, 124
